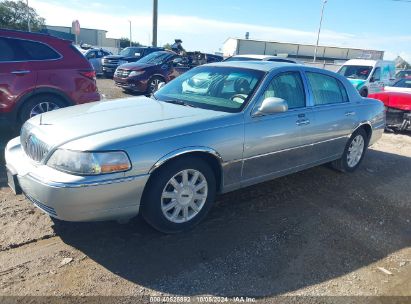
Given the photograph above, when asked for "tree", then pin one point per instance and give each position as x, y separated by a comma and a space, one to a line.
167, 46
125, 42
14, 15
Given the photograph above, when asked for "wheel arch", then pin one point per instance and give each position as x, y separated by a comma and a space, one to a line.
366, 126
210, 156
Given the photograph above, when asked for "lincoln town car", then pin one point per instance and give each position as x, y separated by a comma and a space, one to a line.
215, 129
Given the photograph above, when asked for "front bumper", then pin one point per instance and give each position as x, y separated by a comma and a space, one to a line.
77, 198
398, 118
131, 83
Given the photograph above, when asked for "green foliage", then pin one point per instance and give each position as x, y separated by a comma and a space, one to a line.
167, 46
125, 42
14, 15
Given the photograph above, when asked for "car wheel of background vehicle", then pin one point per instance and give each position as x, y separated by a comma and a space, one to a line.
179, 195
153, 84
364, 92
40, 104
354, 152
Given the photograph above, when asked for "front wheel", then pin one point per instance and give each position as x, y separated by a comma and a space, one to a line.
179, 195
354, 152
153, 84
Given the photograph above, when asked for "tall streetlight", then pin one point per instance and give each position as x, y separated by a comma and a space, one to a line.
130, 32
155, 22
319, 30
28, 16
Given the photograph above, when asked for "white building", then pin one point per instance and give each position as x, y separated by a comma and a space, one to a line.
301, 52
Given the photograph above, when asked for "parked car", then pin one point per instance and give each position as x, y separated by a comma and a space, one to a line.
146, 74
40, 73
397, 100
169, 155
260, 58
403, 74
369, 76
129, 54
95, 57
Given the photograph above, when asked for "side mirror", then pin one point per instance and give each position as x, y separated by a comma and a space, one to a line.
271, 105
177, 61
372, 79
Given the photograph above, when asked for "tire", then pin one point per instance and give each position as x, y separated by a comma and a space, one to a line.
40, 104
364, 93
152, 84
343, 164
154, 202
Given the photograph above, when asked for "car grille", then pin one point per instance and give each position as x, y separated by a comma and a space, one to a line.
32, 146
110, 61
122, 73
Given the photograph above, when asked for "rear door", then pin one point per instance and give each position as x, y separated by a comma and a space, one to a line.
334, 117
16, 74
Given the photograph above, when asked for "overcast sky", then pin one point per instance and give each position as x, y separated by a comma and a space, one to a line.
205, 25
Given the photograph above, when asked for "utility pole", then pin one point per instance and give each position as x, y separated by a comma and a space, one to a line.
130, 33
319, 30
28, 16
155, 22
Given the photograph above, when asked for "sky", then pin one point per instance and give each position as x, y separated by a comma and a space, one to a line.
204, 25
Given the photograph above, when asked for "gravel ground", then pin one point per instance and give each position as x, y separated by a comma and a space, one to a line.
314, 233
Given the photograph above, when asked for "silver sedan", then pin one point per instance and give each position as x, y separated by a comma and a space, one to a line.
215, 129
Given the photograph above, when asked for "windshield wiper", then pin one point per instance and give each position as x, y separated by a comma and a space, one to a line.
179, 102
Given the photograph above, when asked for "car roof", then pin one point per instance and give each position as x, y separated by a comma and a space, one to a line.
264, 66
29, 35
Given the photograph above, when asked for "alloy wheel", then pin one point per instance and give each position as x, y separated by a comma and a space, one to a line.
184, 195
43, 107
355, 151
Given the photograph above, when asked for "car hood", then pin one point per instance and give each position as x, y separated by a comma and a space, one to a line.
395, 98
118, 57
357, 83
139, 118
135, 66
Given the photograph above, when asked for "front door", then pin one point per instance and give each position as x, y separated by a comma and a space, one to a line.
273, 142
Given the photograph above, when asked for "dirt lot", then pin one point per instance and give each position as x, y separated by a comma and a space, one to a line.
314, 233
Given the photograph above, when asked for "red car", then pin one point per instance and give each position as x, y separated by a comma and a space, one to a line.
40, 73
397, 101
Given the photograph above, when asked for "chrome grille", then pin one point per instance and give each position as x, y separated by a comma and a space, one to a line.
32, 146
110, 61
122, 73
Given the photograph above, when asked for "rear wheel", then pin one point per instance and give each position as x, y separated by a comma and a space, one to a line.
40, 104
354, 152
179, 195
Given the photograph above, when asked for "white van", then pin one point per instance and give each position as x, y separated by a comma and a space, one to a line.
369, 76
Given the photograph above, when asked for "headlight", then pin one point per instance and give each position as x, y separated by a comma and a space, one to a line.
135, 73
89, 163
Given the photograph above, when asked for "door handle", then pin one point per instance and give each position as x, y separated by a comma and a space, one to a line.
303, 122
350, 113
21, 72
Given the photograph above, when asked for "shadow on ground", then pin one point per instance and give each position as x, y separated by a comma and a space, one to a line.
266, 240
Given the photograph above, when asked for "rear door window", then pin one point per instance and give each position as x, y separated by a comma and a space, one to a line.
326, 89
24, 50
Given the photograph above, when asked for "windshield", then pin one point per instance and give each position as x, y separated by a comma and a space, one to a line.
355, 71
156, 58
403, 83
404, 74
131, 52
242, 59
226, 89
